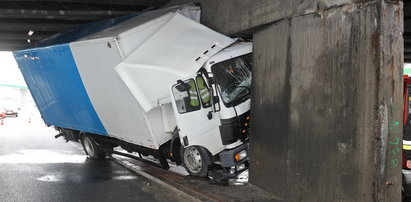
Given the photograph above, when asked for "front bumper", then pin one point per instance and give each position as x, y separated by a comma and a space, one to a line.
230, 167
227, 156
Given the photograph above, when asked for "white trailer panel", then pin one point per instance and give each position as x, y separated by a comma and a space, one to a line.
177, 50
117, 109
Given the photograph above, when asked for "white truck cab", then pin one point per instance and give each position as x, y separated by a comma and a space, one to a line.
212, 111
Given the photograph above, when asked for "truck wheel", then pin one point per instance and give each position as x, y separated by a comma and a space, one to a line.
196, 160
91, 148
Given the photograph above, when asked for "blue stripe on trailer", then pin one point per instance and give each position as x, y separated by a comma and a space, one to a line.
57, 88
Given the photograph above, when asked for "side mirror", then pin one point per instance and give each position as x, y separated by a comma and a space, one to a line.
181, 86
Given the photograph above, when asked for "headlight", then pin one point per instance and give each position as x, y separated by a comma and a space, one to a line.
240, 156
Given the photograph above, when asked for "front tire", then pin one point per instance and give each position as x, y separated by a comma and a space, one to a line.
196, 160
91, 148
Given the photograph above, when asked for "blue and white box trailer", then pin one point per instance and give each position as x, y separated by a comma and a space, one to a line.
157, 83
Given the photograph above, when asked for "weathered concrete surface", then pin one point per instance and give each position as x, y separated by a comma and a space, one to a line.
239, 16
233, 16
389, 134
326, 105
270, 109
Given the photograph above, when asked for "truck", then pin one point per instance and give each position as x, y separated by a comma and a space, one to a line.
406, 172
156, 83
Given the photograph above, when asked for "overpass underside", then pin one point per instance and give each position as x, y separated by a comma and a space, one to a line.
326, 97
23, 22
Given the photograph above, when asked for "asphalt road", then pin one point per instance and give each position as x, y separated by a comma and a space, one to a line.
36, 167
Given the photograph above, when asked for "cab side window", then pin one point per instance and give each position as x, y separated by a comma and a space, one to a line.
186, 100
204, 92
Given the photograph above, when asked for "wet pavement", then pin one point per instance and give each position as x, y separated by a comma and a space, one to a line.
36, 167
199, 188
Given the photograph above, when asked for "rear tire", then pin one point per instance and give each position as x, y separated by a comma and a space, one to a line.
91, 148
196, 160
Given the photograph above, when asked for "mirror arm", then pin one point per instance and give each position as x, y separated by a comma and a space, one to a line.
210, 113
212, 99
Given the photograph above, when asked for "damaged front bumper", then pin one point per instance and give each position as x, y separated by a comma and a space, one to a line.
235, 161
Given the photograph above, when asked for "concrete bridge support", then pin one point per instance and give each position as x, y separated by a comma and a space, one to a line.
327, 95
327, 105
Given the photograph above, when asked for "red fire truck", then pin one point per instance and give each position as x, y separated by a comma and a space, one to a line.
406, 171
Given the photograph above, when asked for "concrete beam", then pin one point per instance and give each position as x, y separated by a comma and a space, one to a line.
39, 26
238, 17
84, 15
15, 42
109, 2
23, 36
232, 16
8, 47
11, 45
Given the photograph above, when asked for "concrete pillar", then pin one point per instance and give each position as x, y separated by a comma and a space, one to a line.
327, 105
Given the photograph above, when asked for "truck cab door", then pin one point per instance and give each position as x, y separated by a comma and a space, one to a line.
192, 104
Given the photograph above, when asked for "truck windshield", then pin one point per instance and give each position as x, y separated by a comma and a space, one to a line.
234, 78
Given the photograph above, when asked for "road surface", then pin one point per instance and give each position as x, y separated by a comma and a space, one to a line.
36, 167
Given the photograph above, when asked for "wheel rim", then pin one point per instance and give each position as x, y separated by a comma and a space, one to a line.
192, 159
88, 146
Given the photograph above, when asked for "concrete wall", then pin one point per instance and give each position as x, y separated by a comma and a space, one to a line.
327, 95
238, 16
329, 84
